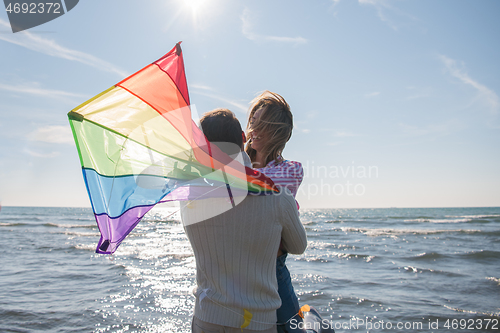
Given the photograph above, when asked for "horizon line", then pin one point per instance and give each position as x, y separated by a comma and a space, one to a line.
391, 207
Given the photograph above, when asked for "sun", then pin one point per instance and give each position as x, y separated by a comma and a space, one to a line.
195, 5
200, 12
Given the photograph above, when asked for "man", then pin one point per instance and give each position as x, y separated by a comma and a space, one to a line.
236, 250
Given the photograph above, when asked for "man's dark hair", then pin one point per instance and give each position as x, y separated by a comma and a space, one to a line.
221, 125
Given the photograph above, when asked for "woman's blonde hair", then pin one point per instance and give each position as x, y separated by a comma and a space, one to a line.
275, 123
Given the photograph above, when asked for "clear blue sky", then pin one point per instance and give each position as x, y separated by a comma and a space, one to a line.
405, 93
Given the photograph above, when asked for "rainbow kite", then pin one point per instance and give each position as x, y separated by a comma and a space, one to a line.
139, 146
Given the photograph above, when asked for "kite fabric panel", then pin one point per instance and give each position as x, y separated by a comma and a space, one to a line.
138, 146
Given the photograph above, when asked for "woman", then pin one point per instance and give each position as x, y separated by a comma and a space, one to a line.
270, 125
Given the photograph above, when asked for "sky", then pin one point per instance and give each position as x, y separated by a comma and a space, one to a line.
395, 102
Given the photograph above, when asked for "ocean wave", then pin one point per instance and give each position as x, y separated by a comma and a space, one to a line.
82, 234
481, 254
48, 224
24, 219
488, 314
56, 247
457, 220
86, 247
462, 220
321, 245
476, 221
326, 257
413, 269
473, 255
428, 256
399, 232
63, 225
306, 279
9, 224
494, 279
343, 255
475, 216
480, 218
311, 259
419, 218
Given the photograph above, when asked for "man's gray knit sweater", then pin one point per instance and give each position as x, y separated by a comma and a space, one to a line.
236, 258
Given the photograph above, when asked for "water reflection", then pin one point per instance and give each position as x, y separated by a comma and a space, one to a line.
160, 267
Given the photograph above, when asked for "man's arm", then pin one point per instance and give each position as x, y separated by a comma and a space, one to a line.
293, 235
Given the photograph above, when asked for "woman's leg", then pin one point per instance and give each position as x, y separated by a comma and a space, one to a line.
289, 302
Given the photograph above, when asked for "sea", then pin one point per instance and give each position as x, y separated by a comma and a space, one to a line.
365, 270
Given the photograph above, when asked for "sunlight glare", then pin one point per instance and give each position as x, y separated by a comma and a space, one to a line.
195, 5
201, 11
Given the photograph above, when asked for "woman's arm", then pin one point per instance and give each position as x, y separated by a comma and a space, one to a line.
293, 235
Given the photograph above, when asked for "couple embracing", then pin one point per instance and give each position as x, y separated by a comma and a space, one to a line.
243, 284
